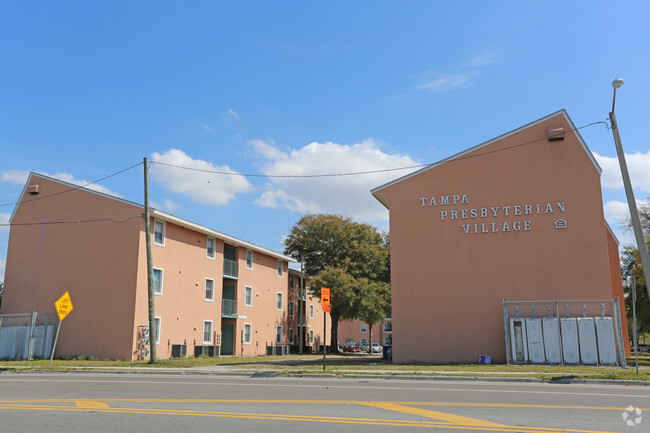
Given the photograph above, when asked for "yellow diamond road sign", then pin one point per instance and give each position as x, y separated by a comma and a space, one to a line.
63, 306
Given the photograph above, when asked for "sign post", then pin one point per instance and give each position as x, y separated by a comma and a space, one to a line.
63, 307
325, 304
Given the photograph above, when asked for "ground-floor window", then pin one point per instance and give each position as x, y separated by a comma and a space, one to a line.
156, 332
207, 332
290, 335
247, 333
278, 334
311, 337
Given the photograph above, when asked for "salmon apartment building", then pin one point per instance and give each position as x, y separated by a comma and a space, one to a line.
214, 294
519, 217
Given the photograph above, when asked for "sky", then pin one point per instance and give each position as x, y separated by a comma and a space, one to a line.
88, 89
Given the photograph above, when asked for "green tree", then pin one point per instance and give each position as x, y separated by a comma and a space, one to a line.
2, 289
353, 256
375, 304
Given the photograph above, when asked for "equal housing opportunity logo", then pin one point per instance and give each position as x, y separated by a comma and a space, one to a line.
632, 416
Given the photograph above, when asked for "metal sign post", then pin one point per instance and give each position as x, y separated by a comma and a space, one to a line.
63, 307
325, 303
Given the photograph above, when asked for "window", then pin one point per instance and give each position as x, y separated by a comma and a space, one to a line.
207, 332
311, 337
248, 296
291, 336
248, 330
291, 308
364, 341
157, 281
280, 268
291, 281
156, 334
249, 259
209, 248
209, 289
159, 233
388, 327
364, 329
279, 303
311, 311
278, 334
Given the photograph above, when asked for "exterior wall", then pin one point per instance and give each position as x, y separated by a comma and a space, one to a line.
96, 262
350, 330
313, 324
449, 276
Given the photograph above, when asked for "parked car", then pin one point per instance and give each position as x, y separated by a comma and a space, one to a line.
376, 348
351, 347
365, 347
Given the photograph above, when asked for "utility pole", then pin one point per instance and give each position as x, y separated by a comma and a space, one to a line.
300, 309
147, 229
631, 202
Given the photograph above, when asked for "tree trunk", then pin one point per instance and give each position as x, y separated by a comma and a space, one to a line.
370, 338
334, 333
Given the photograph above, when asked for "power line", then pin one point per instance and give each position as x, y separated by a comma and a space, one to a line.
73, 188
226, 173
73, 222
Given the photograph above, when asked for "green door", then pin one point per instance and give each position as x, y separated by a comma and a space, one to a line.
227, 330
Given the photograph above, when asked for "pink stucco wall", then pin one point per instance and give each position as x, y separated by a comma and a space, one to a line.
449, 277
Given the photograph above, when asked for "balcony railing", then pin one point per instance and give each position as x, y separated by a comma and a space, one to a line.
229, 308
230, 269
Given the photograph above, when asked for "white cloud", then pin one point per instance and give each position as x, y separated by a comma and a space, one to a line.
446, 82
616, 211
4, 219
2, 270
347, 195
638, 165
485, 59
207, 128
167, 205
202, 187
20, 177
233, 113
15, 176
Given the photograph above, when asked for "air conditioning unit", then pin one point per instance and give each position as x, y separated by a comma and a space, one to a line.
179, 350
206, 350
277, 350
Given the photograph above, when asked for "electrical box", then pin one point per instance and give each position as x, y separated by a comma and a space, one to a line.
606, 340
587, 336
551, 340
569, 328
535, 340
518, 340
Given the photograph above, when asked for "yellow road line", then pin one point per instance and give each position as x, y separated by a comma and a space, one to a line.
441, 416
303, 418
91, 404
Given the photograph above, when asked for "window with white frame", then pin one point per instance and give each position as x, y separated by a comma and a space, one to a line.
311, 311
311, 337
280, 268
278, 334
364, 341
159, 233
248, 330
364, 329
207, 332
290, 335
291, 308
210, 248
209, 289
157, 281
279, 303
249, 259
156, 333
248, 296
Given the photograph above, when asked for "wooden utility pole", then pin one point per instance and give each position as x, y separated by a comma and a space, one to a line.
147, 229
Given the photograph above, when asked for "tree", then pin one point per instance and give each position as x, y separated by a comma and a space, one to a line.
353, 256
2, 289
375, 304
631, 267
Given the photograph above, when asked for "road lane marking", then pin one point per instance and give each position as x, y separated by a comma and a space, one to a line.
303, 418
91, 404
441, 416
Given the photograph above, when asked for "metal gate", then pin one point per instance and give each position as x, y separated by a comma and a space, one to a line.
563, 332
27, 336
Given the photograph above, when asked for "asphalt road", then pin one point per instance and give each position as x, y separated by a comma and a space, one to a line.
81, 402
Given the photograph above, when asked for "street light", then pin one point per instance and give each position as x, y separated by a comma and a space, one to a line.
631, 202
301, 293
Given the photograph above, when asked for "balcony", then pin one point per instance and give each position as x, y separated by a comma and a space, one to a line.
229, 309
230, 269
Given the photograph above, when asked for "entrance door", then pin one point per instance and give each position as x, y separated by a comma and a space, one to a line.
227, 334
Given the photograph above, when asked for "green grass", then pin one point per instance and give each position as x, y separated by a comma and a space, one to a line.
310, 364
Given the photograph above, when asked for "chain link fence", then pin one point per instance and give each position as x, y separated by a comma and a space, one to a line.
27, 336
563, 332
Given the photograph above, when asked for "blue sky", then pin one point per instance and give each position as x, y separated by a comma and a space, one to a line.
90, 88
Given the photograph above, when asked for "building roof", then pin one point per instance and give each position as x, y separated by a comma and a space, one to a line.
377, 191
158, 214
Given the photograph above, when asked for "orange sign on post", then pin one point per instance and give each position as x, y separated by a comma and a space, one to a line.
63, 306
325, 299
